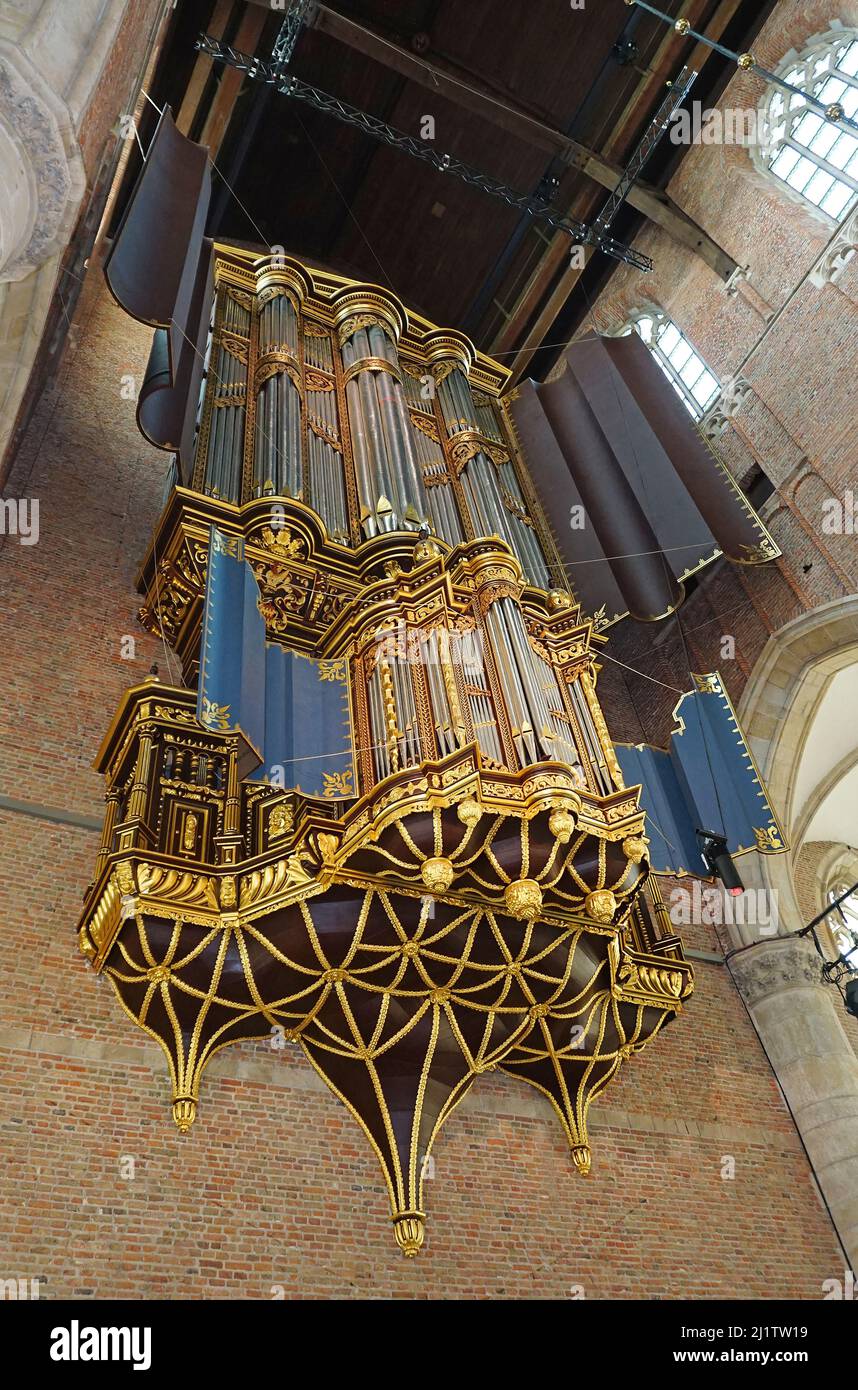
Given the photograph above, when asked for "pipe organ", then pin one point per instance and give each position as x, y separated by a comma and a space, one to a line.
376, 428
459, 882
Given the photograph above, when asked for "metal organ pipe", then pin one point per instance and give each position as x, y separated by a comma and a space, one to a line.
483, 714
528, 684
406, 709
480, 480
379, 724
362, 458
511, 687
401, 452
601, 774
386, 459
522, 657
378, 477
277, 445
442, 714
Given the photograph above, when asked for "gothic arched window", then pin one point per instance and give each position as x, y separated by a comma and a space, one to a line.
815, 158
843, 924
682, 365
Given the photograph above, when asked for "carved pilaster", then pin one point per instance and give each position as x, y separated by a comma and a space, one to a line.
837, 254
734, 396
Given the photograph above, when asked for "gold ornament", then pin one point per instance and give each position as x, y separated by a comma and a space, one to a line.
124, 873
682, 26
328, 846
523, 899
601, 905
558, 598
184, 1113
469, 811
834, 112
437, 874
409, 1227
279, 822
427, 550
581, 1158
189, 833
746, 61
561, 823
635, 848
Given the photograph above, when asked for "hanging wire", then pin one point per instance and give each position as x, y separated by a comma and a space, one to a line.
832, 112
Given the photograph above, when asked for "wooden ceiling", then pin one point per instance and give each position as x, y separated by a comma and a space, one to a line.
294, 176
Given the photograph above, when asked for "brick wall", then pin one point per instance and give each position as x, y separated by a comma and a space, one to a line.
275, 1187
115, 92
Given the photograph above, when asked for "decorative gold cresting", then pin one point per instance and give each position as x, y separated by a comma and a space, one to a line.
479, 897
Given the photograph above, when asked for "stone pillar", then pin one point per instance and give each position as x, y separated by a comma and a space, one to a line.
799, 1022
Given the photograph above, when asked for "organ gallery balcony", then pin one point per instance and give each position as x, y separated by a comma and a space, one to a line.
470, 893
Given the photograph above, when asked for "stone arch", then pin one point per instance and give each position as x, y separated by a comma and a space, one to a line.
777, 711
832, 517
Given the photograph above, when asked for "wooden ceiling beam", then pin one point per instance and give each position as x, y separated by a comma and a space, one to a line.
202, 69
223, 105
547, 315
661, 68
652, 202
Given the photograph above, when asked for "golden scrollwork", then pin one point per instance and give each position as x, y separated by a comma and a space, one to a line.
236, 346
216, 716
768, 838
425, 424
280, 821
317, 381
337, 784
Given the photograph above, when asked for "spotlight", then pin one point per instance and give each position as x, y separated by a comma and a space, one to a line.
719, 861
625, 51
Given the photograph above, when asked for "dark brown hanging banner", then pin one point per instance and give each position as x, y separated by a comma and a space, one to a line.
730, 517
158, 270
648, 586
637, 500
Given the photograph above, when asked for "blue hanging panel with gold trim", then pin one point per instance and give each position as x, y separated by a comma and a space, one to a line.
292, 713
707, 779
673, 846
231, 692
308, 730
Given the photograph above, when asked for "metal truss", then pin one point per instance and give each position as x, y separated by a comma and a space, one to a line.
658, 125
271, 73
284, 44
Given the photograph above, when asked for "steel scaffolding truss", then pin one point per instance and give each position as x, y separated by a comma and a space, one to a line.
271, 73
